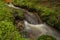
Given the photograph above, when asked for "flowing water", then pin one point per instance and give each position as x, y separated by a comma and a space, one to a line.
32, 25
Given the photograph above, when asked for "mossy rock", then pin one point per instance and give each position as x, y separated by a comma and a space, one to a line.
46, 37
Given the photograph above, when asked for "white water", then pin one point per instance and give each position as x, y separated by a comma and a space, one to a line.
38, 29
41, 29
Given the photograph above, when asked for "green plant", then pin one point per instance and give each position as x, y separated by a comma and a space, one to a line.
7, 29
46, 37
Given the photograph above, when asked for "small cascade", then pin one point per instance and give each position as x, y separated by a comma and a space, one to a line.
33, 24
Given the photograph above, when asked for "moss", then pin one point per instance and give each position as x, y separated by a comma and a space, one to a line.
46, 37
7, 30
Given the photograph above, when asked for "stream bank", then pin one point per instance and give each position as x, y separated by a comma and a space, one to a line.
34, 19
